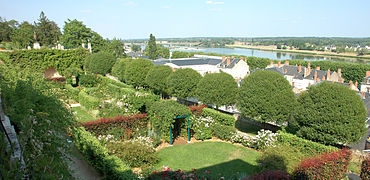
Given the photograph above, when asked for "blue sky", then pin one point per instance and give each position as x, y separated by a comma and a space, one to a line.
130, 19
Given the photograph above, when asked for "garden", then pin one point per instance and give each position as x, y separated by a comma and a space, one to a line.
119, 114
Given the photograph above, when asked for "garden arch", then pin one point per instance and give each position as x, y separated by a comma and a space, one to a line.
188, 122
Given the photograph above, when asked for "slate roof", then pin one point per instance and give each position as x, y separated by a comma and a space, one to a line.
293, 71
232, 63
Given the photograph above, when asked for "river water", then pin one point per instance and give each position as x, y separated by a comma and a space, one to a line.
269, 54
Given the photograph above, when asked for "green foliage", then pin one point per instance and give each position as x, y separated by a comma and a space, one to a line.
134, 153
115, 47
163, 52
183, 82
6, 29
23, 36
89, 102
202, 127
365, 169
222, 118
135, 48
305, 146
72, 71
100, 63
72, 92
47, 31
151, 49
75, 33
106, 80
89, 80
266, 96
157, 77
136, 72
44, 58
330, 113
8, 169
162, 116
97, 155
118, 69
223, 132
181, 54
217, 89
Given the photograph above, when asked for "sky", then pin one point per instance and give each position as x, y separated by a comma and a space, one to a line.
136, 19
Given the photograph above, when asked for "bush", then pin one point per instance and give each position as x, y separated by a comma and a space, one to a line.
197, 110
223, 132
156, 78
181, 54
72, 92
202, 127
99, 63
222, 118
89, 80
136, 72
270, 175
89, 102
135, 154
106, 80
97, 155
167, 174
183, 82
331, 165
304, 145
365, 169
118, 69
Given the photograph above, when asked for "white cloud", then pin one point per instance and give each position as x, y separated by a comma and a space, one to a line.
86, 10
214, 2
129, 4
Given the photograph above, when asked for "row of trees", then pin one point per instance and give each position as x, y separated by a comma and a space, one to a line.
153, 51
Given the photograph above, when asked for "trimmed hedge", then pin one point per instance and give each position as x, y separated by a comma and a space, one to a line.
327, 166
223, 132
106, 80
97, 155
304, 145
99, 63
222, 118
72, 92
89, 102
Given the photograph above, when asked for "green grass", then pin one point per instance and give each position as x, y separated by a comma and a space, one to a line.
248, 128
222, 159
81, 114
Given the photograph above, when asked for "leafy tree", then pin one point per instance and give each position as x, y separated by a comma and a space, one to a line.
6, 29
23, 36
47, 31
100, 63
157, 78
136, 72
183, 82
151, 49
115, 47
163, 52
218, 89
135, 48
266, 96
118, 69
330, 113
75, 32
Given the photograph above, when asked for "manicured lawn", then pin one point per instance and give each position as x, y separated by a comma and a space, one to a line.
247, 127
81, 114
222, 159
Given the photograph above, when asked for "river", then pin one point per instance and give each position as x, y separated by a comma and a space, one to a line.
268, 54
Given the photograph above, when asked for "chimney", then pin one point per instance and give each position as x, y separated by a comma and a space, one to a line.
299, 68
315, 77
328, 75
232, 57
296, 65
318, 68
228, 61
242, 58
173, 69
245, 59
285, 70
351, 84
367, 73
309, 65
279, 63
271, 63
293, 84
323, 78
286, 63
363, 95
340, 71
309, 69
223, 58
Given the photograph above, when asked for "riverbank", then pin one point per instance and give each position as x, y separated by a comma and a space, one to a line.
314, 53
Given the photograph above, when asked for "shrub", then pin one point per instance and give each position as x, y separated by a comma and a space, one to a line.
223, 132
97, 155
89, 80
183, 82
202, 127
118, 69
365, 169
270, 175
304, 145
264, 138
89, 102
167, 174
156, 78
106, 80
135, 154
181, 54
136, 72
222, 118
331, 165
197, 110
72, 92
100, 63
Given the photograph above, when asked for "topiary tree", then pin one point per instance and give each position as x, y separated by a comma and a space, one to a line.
330, 113
266, 96
218, 89
183, 82
118, 69
136, 72
100, 63
157, 76
162, 116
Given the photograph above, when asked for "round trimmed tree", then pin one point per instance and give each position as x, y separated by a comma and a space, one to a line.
99, 63
157, 78
118, 69
136, 72
330, 113
218, 89
183, 82
266, 96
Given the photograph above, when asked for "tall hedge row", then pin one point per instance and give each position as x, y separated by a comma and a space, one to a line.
222, 118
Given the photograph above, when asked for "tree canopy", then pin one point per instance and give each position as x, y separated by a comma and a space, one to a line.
136, 72
151, 48
23, 36
100, 63
330, 113
157, 78
266, 96
183, 82
118, 69
218, 89
48, 32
